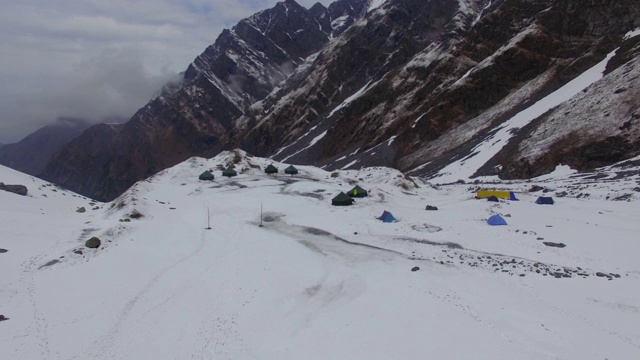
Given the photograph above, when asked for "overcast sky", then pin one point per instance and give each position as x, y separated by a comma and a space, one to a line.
100, 58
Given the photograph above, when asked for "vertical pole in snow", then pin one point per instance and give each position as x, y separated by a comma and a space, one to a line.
260, 215
208, 220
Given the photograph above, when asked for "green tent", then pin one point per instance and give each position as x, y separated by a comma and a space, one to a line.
291, 170
229, 172
207, 176
341, 200
271, 169
358, 192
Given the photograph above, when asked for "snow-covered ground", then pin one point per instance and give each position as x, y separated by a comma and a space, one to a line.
318, 281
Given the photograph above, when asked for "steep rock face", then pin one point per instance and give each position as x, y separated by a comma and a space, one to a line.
598, 127
483, 54
31, 154
195, 117
412, 84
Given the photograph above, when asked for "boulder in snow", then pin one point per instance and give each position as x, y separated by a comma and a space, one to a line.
92, 243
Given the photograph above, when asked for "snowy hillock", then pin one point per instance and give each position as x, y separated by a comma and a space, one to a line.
263, 266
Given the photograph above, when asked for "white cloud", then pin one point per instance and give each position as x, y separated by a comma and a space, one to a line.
100, 58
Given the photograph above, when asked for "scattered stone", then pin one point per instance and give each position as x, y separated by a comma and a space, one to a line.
535, 188
135, 214
540, 238
507, 215
81, 210
356, 233
3, 318
599, 274
415, 268
96, 208
78, 251
430, 207
125, 220
93, 243
172, 208
617, 276
552, 244
2, 251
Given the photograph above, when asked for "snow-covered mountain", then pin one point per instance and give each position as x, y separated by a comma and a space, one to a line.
319, 281
411, 84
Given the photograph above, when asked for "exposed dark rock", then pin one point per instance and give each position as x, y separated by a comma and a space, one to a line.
430, 207
415, 268
81, 210
92, 243
2, 251
78, 251
16, 189
601, 274
552, 244
275, 81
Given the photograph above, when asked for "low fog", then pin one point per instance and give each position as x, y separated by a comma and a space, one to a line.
100, 59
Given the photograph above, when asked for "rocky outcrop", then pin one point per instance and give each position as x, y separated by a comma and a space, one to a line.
198, 116
411, 84
16, 189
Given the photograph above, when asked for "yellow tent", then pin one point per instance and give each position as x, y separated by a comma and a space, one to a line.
483, 194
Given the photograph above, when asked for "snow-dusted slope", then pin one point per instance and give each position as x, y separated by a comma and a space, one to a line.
316, 281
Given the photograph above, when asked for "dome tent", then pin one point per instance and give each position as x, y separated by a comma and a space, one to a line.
387, 217
496, 220
357, 192
291, 170
206, 176
271, 169
229, 172
544, 200
342, 200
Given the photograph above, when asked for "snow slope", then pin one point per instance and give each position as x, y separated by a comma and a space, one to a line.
315, 281
466, 167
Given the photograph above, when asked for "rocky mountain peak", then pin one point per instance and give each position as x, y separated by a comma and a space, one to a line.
411, 84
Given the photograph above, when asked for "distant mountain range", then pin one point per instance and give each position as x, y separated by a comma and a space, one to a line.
410, 84
31, 154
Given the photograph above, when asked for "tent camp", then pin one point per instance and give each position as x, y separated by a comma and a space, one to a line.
229, 172
357, 192
387, 217
271, 169
341, 200
544, 200
291, 170
496, 220
206, 176
483, 194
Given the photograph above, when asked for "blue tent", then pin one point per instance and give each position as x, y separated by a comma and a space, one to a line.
543, 200
387, 217
493, 198
496, 220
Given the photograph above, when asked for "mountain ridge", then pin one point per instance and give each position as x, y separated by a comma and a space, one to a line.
343, 87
